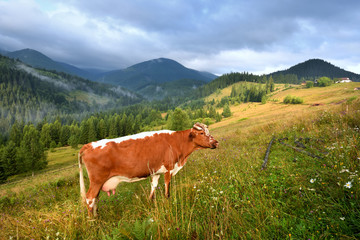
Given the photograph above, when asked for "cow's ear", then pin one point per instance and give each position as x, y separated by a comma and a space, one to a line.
192, 135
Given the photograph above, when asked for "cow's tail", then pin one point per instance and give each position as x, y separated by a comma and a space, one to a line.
82, 183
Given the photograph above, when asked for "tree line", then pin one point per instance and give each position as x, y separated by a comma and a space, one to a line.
24, 150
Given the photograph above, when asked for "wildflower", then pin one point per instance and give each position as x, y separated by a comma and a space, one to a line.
348, 184
342, 218
312, 180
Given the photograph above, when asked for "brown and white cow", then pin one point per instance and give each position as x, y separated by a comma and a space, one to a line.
136, 157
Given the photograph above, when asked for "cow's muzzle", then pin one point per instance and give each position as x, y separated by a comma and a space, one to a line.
214, 144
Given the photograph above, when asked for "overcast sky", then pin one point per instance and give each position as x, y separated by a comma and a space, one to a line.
219, 36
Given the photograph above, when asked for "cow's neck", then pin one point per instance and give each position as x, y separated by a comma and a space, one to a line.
186, 146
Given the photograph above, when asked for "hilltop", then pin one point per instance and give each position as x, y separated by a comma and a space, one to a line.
37, 59
161, 75
315, 68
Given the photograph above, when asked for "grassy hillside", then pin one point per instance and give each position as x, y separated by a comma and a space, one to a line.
222, 193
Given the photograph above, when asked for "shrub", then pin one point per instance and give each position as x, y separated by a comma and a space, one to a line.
309, 84
226, 111
324, 82
293, 100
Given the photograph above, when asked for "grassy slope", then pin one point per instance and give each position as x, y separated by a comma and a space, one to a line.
220, 193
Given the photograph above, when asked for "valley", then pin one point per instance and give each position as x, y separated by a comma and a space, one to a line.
220, 193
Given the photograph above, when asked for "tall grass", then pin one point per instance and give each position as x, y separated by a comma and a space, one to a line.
219, 194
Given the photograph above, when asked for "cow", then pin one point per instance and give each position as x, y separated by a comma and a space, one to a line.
136, 157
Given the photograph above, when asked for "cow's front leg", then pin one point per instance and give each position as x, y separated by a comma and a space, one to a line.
154, 183
167, 177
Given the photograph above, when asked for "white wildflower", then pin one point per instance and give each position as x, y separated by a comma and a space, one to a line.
312, 180
342, 218
348, 184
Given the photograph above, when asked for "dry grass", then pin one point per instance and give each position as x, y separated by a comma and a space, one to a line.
256, 115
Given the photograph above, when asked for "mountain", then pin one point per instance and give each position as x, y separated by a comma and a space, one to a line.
315, 68
38, 60
31, 94
142, 77
3, 52
153, 74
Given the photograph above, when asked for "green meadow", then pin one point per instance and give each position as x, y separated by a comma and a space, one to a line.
309, 188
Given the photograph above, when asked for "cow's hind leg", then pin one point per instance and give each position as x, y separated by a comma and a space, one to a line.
154, 183
167, 177
91, 198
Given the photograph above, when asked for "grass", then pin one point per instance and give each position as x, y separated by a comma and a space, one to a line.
222, 193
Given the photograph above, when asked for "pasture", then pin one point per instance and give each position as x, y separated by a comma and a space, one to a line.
222, 193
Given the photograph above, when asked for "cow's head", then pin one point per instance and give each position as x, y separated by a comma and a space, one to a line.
200, 135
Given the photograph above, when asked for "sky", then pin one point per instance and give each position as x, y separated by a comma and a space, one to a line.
257, 36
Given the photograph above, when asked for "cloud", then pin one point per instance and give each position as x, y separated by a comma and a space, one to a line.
215, 36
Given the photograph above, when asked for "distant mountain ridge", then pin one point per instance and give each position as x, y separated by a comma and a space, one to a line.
38, 60
139, 77
314, 68
154, 73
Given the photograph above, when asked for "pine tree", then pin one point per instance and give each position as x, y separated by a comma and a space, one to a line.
55, 129
137, 124
179, 120
84, 132
31, 155
45, 136
91, 131
212, 112
9, 158
226, 111
233, 93
3, 173
218, 117
64, 135
271, 84
102, 133
16, 133
73, 141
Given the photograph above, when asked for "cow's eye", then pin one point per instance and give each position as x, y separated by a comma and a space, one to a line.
202, 133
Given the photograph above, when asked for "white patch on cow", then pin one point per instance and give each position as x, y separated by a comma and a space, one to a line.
161, 170
154, 181
112, 182
92, 202
177, 168
102, 143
